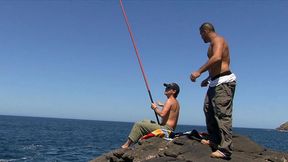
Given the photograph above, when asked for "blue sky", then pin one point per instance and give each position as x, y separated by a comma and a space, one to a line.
74, 59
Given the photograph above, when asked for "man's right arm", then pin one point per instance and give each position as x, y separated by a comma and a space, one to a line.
216, 56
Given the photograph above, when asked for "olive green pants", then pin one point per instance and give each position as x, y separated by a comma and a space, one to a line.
144, 127
218, 112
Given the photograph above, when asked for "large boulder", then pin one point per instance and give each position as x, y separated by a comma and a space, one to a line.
183, 149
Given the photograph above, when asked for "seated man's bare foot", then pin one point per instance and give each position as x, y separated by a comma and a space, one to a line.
205, 142
127, 143
219, 154
124, 146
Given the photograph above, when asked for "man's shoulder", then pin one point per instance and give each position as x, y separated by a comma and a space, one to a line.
219, 39
171, 101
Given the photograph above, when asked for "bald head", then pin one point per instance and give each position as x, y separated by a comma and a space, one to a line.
207, 26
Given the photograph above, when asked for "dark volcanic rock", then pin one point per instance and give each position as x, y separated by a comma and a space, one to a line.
183, 149
283, 127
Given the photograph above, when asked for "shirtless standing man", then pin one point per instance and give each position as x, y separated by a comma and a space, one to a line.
169, 115
219, 98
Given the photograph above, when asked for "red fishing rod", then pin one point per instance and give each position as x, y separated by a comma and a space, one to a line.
138, 56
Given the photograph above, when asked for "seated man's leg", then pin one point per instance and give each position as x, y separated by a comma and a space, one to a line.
142, 128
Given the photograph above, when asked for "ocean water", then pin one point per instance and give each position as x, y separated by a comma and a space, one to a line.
31, 139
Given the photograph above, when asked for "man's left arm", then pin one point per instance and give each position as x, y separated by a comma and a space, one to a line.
162, 112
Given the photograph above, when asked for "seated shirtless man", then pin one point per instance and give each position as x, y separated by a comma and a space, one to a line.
169, 114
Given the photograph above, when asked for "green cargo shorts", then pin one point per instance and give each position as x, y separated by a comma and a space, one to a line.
144, 127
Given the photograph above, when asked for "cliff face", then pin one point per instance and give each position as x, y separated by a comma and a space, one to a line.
283, 127
183, 149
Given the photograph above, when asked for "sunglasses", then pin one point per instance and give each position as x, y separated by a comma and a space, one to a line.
167, 89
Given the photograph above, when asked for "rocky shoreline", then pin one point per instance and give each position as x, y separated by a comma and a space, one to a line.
184, 149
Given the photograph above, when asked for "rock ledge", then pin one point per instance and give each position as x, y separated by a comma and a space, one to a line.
183, 149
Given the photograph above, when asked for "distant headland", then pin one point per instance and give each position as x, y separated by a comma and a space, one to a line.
283, 127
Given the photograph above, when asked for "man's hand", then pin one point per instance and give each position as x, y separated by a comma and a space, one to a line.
153, 106
160, 103
194, 76
205, 82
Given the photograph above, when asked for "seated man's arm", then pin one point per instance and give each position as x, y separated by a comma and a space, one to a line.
164, 111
